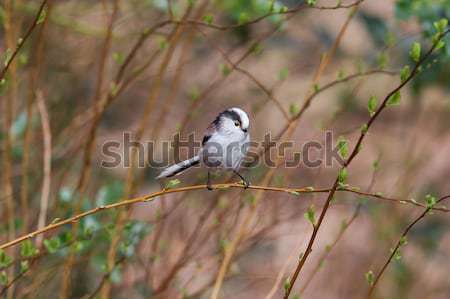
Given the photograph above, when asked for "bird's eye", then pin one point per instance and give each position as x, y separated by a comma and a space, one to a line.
237, 124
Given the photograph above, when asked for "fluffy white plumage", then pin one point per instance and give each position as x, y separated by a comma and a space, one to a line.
224, 145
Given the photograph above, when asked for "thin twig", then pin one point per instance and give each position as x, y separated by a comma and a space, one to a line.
152, 196
23, 40
399, 243
353, 154
45, 193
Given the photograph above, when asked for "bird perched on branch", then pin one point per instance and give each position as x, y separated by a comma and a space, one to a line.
224, 146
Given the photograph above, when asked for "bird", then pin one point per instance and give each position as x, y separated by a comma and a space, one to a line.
224, 146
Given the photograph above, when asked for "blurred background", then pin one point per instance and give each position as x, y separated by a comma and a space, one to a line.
92, 70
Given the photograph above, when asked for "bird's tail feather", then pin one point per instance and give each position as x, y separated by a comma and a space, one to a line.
178, 168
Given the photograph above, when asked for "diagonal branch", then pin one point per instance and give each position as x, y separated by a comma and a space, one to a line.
353, 154
23, 40
399, 243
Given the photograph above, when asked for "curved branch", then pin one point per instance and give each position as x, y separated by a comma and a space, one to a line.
152, 196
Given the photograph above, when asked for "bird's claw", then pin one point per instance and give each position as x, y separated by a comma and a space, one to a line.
246, 184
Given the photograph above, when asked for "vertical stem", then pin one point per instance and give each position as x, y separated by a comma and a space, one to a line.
130, 184
11, 28
45, 193
36, 63
89, 147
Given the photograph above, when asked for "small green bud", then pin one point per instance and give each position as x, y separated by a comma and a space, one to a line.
405, 73
172, 184
394, 100
342, 176
370, 278
372, 105
310, 215
208, 19
414, 53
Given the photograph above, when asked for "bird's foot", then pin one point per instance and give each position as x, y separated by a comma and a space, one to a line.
246, 184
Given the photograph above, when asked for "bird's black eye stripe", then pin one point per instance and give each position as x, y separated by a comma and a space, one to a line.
228, 114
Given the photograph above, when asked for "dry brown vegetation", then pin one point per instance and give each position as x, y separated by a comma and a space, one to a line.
79, 74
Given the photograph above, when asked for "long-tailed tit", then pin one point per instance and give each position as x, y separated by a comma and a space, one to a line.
224, 146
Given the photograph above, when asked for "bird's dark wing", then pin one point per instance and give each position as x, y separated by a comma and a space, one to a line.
209, 131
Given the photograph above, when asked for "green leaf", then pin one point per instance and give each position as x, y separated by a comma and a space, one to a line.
394, 100
441, 25
414, 53
208, 19
403, 241
372, 105
243, 18
172, 184
370, 277
27, 249
440, 44
364, 128
52, 245
430, 201
310, 215
342, 176
405, 73
24, 266
283, 9
311, 2
342, 147
3, 278
42, 16
287, 285
294, 109
5, 260
397, 255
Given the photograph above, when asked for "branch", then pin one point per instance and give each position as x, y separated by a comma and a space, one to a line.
47, 160
152, 196
265, 16
399, 244
23, 40
353, 154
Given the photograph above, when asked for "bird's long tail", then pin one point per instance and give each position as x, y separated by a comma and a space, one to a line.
178, 168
